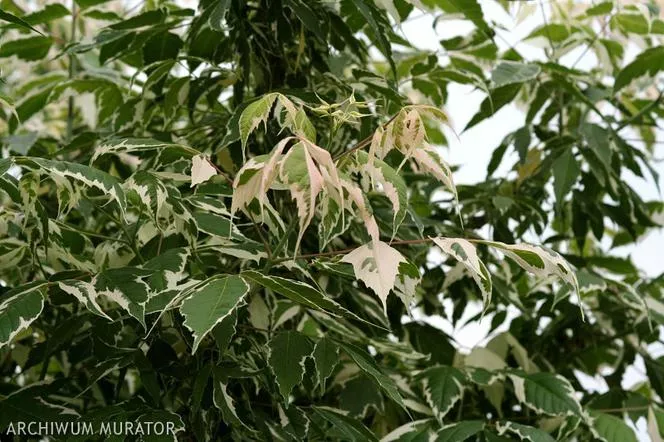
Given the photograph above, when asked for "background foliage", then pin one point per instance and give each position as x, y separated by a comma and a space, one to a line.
161, 259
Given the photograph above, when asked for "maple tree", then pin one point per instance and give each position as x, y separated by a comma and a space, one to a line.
237, 218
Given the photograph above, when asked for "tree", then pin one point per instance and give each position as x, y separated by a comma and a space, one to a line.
235, 218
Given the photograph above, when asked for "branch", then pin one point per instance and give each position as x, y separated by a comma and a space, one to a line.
402, 242
364, 142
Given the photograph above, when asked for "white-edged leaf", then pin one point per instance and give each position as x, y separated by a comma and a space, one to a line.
392, 184
288, 352
326, 357
126, 286
460, 431
369, 367
299, 292
377, 265
210, 303
254, 114
18, 309
412, 431
466, 253
540, 261
523, 432
89, 176
609, 428
223, 401
546, 393
443, 387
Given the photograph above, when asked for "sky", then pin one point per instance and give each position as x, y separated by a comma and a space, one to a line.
472, 150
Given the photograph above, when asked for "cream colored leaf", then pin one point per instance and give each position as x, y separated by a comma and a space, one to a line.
201, 170
377, 265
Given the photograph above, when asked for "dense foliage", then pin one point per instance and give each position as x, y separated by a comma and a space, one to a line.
236, 217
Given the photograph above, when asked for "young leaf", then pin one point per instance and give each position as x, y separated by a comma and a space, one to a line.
210, 303
466, 253
377, 265
254, 114
288, 352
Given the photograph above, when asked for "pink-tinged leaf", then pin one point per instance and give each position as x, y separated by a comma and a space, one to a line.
201, 170
377, 265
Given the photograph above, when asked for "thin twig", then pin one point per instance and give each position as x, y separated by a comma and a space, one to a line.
362, 143
350, 249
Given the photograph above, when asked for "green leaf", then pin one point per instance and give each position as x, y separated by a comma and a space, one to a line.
565, 172
254, 114
350, 429
326, 357
49, 13
539, 260
300, 292
523, 432
210, 303
148, 18
443, 387
89, 176
510, 72
288, 351
219, 14
369, 367
30, 49
308, 17
18, 309
609, 428
11, 18
470, 9
546, 393
650, 61
33, 404
466, 253
459, 431
223, 401
374, 19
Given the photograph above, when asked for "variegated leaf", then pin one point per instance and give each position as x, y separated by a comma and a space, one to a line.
288, 351
465, 252
377, 265
443, 388
211, 302
201, 170
18, 309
